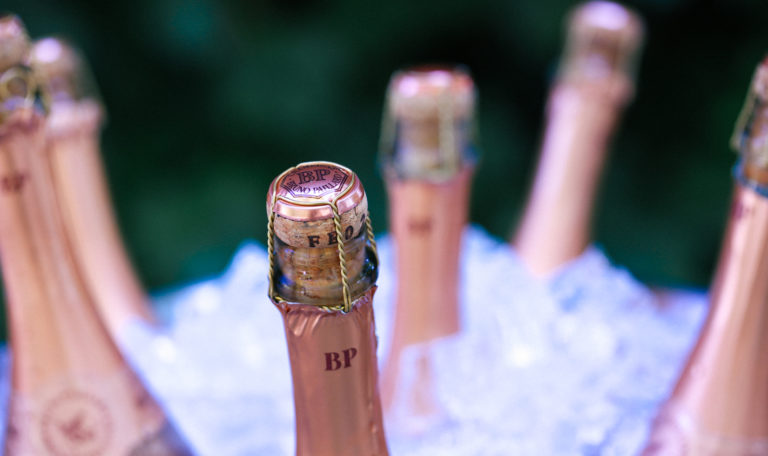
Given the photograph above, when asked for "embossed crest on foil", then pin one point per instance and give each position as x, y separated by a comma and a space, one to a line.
314, 181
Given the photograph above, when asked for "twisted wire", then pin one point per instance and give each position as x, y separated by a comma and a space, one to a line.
271, 254
449, 150
369, 235
342, 258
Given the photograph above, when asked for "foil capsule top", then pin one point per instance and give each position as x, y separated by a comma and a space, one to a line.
603, 40
422, 93
60, 69
306, 198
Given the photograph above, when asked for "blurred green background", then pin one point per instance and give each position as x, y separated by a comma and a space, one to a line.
209, 100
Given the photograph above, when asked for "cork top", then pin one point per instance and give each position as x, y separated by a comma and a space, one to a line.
603, 39
304, 192
59, 68
419, 93
750, 136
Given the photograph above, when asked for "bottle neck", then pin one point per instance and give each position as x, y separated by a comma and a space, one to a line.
82, 190
725, 372
53, 325
555, 227
739, 283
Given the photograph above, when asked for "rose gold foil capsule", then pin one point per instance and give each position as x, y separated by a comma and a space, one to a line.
594, 84
428, 172
322, 279
301, 199
719, 406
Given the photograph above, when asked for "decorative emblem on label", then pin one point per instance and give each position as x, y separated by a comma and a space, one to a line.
76, 424
314, 181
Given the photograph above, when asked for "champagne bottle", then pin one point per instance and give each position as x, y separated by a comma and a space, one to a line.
323, 270
72, 129
427, 162
71, 391
719, 405
594, 84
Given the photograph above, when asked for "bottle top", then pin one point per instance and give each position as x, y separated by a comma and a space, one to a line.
428, 123
315, 208
66, 87
59, 68
18, 88
14, 42
308, 191
603, 40
750, 137
422, 93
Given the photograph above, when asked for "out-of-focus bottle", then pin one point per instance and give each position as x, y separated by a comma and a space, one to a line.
594, 84
720, 403
323, 270
73, 127
71, 391
427, 161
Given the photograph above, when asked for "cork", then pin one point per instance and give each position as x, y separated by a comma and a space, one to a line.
604, 39
307, 246
416, 93
18, 87
429, 122
750, 137
300, 199
67, 88
62, 72
14, 42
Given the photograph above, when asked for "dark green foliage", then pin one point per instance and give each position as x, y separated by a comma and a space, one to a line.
209, 100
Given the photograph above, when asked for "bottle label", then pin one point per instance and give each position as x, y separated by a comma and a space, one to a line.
90, 416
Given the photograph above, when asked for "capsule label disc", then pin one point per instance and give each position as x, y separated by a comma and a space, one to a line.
314, 181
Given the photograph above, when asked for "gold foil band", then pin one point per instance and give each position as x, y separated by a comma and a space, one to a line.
347, 304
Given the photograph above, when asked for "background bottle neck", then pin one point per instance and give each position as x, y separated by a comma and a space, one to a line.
53, 325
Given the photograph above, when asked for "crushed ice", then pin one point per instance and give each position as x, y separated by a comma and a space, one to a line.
576, 364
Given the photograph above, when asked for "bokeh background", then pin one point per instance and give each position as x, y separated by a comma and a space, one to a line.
209, 100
